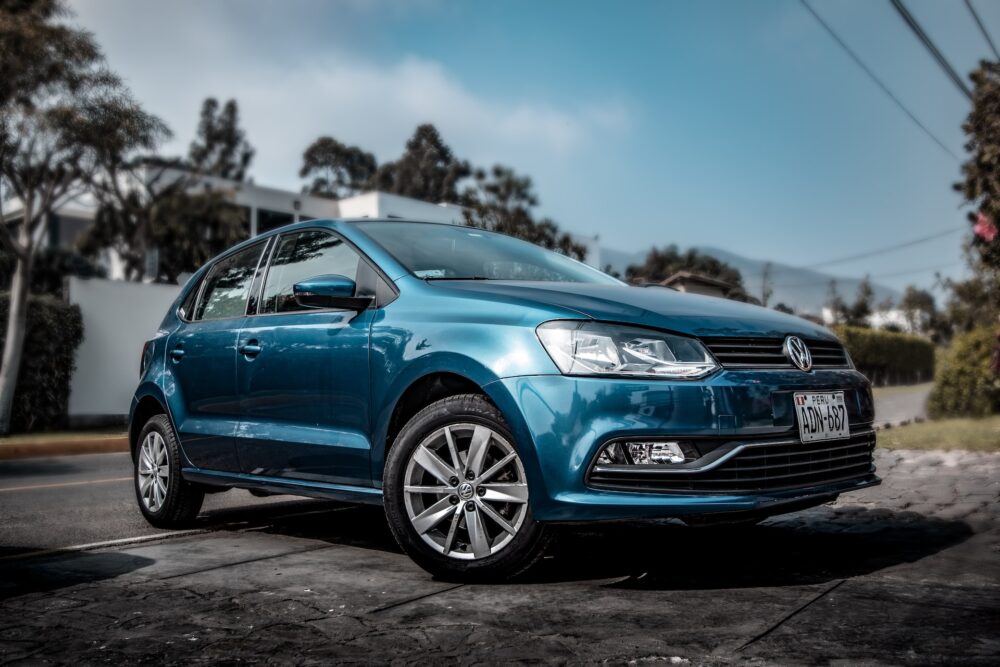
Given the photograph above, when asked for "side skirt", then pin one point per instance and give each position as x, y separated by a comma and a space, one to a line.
279, 485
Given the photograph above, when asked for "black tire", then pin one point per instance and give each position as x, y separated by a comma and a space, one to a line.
182, 501
517, 556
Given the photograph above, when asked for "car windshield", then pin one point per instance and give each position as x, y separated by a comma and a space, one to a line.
456, 252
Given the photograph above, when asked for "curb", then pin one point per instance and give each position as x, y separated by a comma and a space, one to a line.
44, 448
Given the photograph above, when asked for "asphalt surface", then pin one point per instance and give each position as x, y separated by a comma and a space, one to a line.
905, 573
68, 501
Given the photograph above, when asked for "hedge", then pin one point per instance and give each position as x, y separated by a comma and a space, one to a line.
55, 330
965, 385
887, 357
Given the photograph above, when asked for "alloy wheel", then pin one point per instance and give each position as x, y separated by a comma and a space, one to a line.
153, 471
465, 491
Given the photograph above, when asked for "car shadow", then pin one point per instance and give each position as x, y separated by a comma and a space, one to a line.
814, 546
811, 547
60, 570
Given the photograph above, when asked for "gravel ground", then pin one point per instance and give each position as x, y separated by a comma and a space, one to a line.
905, 573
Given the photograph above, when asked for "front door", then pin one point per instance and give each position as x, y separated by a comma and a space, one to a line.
201, 354
303, 373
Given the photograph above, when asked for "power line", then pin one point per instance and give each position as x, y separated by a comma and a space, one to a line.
887, 249
934, 51
878, 82
982, 28
871, 253
876, 276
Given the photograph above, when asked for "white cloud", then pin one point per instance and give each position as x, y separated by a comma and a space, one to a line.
292, 89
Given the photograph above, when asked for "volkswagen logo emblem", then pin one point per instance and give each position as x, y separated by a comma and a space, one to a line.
798, 353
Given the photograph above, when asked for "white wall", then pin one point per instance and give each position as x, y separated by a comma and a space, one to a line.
118, 317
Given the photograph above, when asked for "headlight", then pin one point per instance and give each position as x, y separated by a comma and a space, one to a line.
593, 348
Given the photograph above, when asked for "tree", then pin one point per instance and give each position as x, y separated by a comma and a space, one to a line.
51, 267
835, 303
150, 206
661, 264
37, 49
336, 170
53, 130
502, 202
220, 147
427, 170
861, 309
183, 228
918, 307
976, 301
766, 288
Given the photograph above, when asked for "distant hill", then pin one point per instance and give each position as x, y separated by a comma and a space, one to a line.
802, 289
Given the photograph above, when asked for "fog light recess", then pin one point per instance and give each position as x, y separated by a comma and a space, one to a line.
640, 452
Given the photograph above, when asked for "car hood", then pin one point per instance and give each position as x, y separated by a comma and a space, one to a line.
658, 307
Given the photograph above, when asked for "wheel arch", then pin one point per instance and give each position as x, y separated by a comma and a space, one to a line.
420, 393
433, 385
148, 402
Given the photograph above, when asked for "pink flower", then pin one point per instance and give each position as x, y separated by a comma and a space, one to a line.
984, 228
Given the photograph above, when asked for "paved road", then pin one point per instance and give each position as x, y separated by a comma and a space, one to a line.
75, 500
907, 573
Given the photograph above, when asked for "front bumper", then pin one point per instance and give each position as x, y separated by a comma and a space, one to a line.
569, 419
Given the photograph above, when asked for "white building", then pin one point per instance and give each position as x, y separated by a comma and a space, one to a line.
267, 208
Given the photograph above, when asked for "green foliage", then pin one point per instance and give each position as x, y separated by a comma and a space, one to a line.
185, 229
427, 170
220, 148
337, 170
974, 302
497, 199
966, 385
54, 331
853, 314
37, 49
503, 201
52, 266
661, 264
887, 357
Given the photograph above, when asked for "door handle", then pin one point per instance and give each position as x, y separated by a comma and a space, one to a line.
177, 353
250, 349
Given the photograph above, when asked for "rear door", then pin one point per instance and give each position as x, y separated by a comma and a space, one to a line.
201, 354
305, 384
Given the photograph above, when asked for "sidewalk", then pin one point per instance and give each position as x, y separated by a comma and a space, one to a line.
62, 443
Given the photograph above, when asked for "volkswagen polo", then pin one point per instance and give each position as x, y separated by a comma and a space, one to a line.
482, 389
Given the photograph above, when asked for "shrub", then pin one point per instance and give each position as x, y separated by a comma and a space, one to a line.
887, 357
54, 331
965, 385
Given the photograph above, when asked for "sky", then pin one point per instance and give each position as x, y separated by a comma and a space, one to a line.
738, 125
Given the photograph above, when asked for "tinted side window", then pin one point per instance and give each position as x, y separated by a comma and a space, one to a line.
228, 285
302, 256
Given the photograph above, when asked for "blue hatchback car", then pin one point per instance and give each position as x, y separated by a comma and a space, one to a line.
482, 389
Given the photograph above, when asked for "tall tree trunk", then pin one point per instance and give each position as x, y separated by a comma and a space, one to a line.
17, 319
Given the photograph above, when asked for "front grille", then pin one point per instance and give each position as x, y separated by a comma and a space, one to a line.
734, 352
763, 465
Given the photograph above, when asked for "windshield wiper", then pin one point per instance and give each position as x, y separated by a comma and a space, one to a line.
456, 278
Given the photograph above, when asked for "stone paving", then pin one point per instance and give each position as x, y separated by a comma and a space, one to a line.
905, 573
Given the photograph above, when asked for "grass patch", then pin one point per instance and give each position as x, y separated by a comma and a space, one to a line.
902, 389
980, 435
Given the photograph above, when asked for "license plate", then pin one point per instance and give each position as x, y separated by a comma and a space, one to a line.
822, 416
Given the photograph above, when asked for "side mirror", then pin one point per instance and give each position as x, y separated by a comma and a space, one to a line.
329, 292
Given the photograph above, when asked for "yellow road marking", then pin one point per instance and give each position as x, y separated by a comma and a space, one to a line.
62, 484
